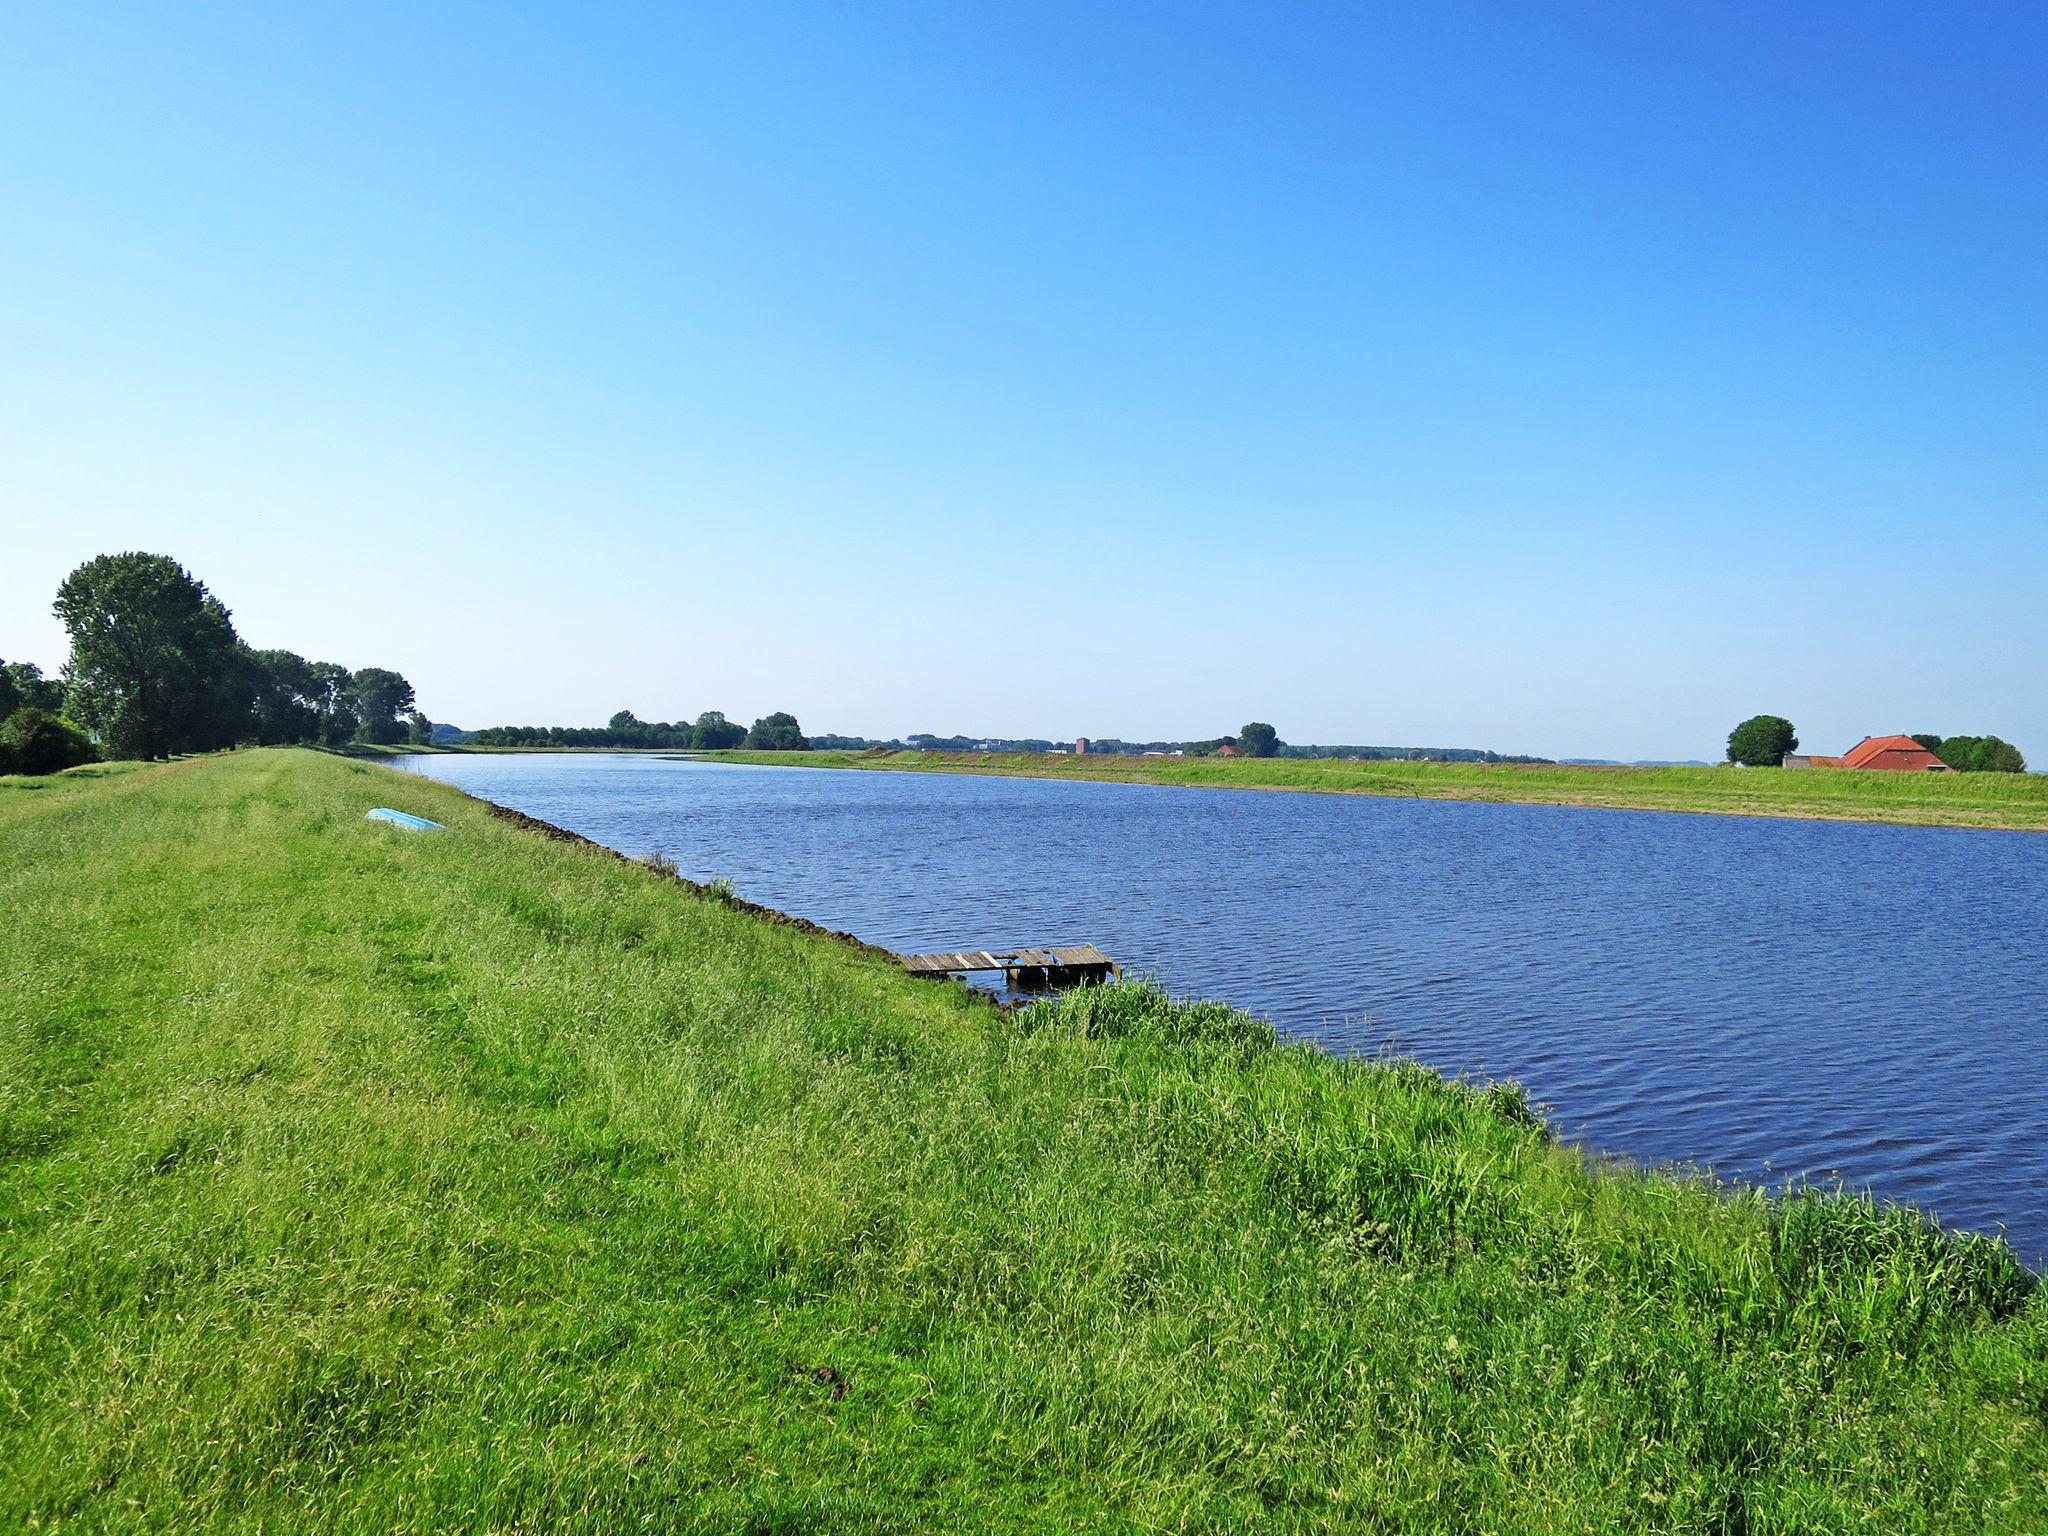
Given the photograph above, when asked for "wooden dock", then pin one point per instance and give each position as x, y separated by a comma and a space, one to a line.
1061, 966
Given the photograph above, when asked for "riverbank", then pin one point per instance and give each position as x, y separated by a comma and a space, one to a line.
359, 1180
2013, 802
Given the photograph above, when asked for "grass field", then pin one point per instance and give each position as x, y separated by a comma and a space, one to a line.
354, 1180
2013, 801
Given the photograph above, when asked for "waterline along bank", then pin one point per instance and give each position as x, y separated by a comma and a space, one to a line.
2014, 802
356, 1178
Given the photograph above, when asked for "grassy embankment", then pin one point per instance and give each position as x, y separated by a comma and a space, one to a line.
2014, 801
357, 1180
375, 750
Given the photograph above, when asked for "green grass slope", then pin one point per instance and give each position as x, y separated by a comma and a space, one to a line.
354, 1180
2012, 801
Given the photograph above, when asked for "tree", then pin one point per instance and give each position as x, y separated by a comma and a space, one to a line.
1998, 756
1258, 740
152, 652
714, 733
284, 711
227, 716
380, 697
332, 703
777, 733
1980, 754
1931, 742
624, 720
37, 742
1762, 741
419, 730
29, 689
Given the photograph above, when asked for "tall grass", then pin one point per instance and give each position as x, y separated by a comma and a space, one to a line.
353, 1180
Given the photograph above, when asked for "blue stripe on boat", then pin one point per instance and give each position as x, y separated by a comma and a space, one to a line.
401, 819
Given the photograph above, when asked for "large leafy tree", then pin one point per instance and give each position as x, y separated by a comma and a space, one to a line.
1762, 741
1258, 740
154, 659
714, 733
778, 732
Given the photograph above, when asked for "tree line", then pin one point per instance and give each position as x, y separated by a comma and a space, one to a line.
709, 732
157, 669
1762, 741
1974, 754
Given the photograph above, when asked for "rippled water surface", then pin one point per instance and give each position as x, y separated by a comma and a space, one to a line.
1771, 998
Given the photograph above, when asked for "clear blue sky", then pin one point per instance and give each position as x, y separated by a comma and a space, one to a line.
1566, 379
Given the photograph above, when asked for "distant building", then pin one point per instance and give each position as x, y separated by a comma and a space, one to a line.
1809, 760
1899, 753
1226, 750
1081, 745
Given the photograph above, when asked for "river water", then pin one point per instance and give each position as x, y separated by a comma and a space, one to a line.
1773, 999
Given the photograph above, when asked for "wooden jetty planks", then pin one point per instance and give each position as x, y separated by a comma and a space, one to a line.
949, 961
1066, 957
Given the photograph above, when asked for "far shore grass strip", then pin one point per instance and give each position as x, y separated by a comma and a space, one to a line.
2000, 801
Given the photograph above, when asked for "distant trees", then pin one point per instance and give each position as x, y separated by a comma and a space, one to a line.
714, 733
624, 729
153, 656
1989, 754
1975, 754
23, 686
296, 701
283, 711
710, 732
1258, 740
332, 703
380, 696
778, 732
1762, 741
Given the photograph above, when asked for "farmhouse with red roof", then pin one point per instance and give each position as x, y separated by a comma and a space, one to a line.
1897, 752
1901, 754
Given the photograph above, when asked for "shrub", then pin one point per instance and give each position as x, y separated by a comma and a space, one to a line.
34, 741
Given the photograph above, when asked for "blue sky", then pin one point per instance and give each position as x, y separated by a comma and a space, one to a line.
1565, 379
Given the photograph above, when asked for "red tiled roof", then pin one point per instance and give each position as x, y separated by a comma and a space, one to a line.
1895, 752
